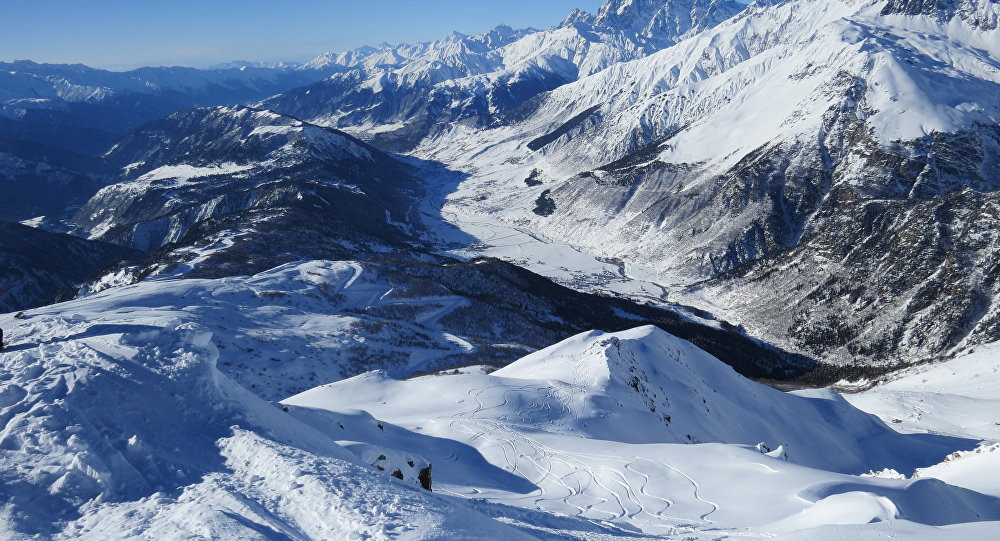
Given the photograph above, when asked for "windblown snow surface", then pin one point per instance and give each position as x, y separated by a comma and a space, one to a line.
128, 414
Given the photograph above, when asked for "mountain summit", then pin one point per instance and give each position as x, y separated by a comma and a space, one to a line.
983, 14
670, 20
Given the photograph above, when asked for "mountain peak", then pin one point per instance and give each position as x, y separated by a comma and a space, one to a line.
578, 16
598, 359
670, 19
980, 13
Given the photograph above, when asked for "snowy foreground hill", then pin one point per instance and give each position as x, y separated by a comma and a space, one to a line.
148, 412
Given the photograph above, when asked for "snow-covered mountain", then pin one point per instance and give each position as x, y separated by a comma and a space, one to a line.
397, 95
29, 81
825, 164
229, 172
644, 386
83, 109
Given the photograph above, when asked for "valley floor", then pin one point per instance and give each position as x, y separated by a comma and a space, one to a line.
452, 211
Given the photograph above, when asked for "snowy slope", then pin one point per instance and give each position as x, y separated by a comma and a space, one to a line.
569, 430
113, 428
137, 411
123, 414
959, 397
140, 410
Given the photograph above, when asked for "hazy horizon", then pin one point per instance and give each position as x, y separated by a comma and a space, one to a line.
124, 35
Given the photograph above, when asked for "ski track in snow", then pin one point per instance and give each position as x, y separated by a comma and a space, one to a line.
610, 492
520, 427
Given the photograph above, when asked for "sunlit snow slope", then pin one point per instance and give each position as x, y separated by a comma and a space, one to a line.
959, 397
640, 428
142, 411
115, 427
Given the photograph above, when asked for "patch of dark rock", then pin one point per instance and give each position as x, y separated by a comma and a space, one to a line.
545, 205
565, 128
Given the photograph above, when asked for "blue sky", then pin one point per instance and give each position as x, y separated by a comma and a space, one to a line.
121, 34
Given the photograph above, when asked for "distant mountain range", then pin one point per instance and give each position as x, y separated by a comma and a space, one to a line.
399, 95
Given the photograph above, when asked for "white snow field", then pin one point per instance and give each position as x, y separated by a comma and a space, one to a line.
116, 423
959, 397
120, 419
642, 430
288, 329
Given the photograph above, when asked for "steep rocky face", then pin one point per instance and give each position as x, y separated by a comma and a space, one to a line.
976, 13
673, 19
885, 280
36, 266
767, 201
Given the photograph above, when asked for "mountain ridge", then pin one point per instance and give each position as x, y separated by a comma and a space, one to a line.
650, 176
